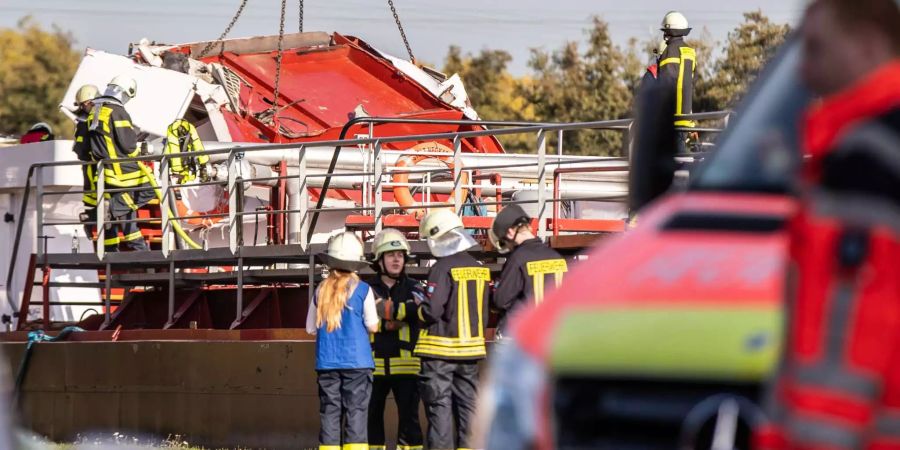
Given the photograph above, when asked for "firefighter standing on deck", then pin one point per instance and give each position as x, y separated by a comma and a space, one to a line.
396, 369
839, 384
341, 316
529, 266
112, 136
455, 315
677, 65
84, 99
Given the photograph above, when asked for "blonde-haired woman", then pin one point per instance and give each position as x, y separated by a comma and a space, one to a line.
341, 316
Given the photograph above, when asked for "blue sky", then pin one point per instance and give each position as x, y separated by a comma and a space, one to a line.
432, 25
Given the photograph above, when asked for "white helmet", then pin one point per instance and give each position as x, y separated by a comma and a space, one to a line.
445, 233
675, 24
345, 252
389, 240
122, 87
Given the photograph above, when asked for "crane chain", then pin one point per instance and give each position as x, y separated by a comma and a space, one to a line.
301, 16
234, 20
402, 33
278, 61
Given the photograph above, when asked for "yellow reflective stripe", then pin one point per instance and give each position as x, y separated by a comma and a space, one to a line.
79, 139
410, 447
449, 341
672, 60
128, 201
401, 311
133, 236
89, 199
421, 317
111, 241
356, 446
450, 352
122, 124
686, 53
329, 447
379, 447
685, 123
479, 285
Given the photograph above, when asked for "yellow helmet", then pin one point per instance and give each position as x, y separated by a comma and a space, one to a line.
86, 93
389, 240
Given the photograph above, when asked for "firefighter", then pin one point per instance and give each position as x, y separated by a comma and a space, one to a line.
839, 383
38, 132
528, 268
677, 65
112, 136
396, 368
452, 341
652, 72
342, 315
84, 99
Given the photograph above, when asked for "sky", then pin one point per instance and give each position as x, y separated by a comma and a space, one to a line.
431, 25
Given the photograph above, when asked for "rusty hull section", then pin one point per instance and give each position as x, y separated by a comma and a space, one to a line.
215, 393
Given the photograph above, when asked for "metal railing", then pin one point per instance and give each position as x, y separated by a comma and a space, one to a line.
375, 171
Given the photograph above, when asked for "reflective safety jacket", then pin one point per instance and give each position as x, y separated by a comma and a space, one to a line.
393, 349
113, 137
182, 138
839, 386
676, 69
82, 151
525, 275
455, 309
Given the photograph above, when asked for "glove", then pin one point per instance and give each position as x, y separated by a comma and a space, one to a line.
204, 173
385, 308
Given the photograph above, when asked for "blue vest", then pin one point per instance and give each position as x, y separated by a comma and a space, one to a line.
347, 347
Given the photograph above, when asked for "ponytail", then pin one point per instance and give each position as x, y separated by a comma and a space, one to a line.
332, 298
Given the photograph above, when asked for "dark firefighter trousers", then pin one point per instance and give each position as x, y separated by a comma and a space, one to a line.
344, 397
131, 234
406, 395
448, 390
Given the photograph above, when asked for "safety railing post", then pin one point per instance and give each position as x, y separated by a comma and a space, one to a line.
39, 211
542, 181
377, 171
164, 205
234, 223
457, 171
304, 200
101, 212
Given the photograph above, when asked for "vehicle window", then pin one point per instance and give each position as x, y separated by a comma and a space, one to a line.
761, 149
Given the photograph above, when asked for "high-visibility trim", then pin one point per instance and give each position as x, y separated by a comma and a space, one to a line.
451, 352
356, 446
122, 124
89, 199
133, 236
126, 197
450, 347
410, 447
449, 341
672, 60
679, 88
462, 287
479, 288
685, 123
329, 447
378, 447
79, 139
538, 271
818, 434
111, 241
421, 316
401, 311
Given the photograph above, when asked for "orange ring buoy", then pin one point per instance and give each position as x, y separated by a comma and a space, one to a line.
402, 194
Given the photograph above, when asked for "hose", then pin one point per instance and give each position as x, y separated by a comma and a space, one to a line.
175, 224
33, 338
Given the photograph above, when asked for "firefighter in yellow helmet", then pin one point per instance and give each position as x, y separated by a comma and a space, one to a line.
112, 137
454, 314
84, 101
396, 368
677, 65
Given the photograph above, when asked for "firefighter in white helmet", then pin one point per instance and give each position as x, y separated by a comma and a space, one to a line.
677, 65
454, 315
396, 368
341, 316
112, 137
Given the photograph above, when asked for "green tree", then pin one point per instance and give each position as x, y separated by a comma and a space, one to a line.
748, 48
572, 86
493, 91
36, 67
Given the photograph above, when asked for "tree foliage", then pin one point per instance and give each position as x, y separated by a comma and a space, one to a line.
36, 66
748, 48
